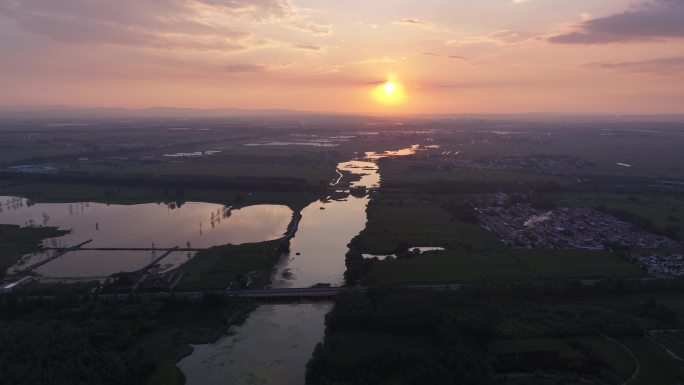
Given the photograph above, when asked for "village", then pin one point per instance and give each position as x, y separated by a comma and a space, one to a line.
520, 225
660, 264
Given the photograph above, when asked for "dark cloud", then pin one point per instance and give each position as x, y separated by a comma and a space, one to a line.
148, 23
659, 19
662, 66
238, 68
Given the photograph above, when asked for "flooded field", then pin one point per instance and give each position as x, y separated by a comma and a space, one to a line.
98, 264
196, 225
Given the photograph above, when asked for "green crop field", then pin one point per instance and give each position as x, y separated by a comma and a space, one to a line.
414, 221
399, 171
671, 340
498, 266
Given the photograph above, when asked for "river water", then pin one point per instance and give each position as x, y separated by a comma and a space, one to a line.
276, 341
271, 348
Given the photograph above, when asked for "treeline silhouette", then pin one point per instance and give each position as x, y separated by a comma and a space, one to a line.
447, 337
85, 342
244, 183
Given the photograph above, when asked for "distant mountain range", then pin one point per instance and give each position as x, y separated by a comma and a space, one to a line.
60, 112
69, 112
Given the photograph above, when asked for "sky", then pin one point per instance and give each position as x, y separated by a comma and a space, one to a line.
444, 56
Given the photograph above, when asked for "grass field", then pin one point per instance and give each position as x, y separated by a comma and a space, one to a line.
618, 362
501, 266
400, 171
217, 267
314, 170
406, 220
656, 366
671, 340
613, 355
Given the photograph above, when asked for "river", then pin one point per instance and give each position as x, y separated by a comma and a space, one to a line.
276, 341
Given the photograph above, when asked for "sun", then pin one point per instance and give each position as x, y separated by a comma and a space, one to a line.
390, 92
389, 88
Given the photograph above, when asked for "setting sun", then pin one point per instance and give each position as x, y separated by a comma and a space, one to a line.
389, 92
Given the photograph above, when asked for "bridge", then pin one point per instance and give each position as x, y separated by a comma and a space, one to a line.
54, 256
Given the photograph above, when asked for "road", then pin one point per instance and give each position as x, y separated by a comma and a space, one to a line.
316, 292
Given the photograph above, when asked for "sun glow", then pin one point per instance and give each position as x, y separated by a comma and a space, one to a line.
389, 92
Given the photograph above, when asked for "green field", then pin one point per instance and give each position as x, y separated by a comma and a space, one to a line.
619, 365
501, 266
312, 169
216, 268
399, 171
656, 366
406, 220
671, 340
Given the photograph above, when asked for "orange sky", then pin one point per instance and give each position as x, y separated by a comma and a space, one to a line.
450, 56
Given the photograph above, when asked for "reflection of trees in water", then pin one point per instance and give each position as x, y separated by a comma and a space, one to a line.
12, 203
174, 205
220, 213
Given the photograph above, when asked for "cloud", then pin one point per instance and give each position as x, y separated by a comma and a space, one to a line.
504, 36
312, 28
167, 24
309, 47
412, 21
455, 57
239, 68
661, 66
656, 20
